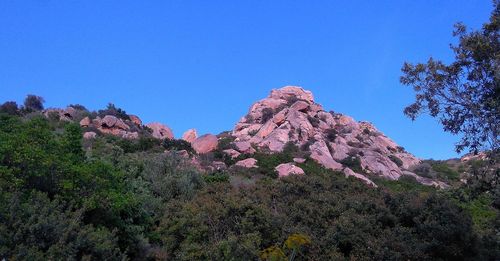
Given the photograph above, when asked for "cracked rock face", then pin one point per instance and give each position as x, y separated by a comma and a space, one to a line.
289, 114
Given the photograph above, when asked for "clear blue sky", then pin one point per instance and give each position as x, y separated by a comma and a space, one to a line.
201, 64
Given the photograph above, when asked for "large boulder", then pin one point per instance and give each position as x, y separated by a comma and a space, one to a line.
135, 119
89, 135
321, 154
160, 131
85, 122
247, 163
349, 173
109, 121
205, 143
232, 153
292, 92
286, 169
244, 147
190, 135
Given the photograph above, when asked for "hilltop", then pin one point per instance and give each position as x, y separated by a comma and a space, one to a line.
288, 116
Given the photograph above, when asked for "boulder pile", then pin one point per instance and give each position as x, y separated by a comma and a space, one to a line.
334, 140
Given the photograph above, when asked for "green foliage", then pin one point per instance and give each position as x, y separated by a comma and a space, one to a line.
78, 107
33, 103
481, 210
403, 184
444, 171
176, 145
353, 162
117, 199
464, 94
111, 109
216, 177
33, 227
267, 162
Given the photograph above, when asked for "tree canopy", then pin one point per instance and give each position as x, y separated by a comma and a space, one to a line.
465, 94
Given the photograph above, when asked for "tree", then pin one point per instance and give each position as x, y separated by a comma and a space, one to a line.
9, 107
464, 95
33, 103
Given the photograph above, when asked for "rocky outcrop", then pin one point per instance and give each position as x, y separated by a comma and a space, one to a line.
286, 169
349, 173
135, 119
471, 156
85, 122
67, 114
89, 135
160, 131
247, 163
190, 135
110, 124
205, 143
232, 153
290, 114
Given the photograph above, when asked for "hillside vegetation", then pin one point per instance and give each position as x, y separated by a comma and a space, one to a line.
112, 198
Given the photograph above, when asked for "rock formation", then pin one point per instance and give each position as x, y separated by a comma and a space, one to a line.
290, 114
247, 163
160, 131
190, 135
286, 169
67, 114
205, 143
135, 119
110, 124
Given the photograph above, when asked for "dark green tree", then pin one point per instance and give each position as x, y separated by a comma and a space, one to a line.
465, 94
9, 107
33, 103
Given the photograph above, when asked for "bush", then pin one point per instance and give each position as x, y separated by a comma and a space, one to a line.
354, 163
176, 145
111, 109
445, 172
331, 135
424, 169
314, 121
396, 160
216, 177
267, 114
78, 107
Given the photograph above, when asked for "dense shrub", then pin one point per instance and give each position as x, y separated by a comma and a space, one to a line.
267, 114
331, 135
78, 107
444, 171
111, 109
353, 162
175, 145
314, 121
